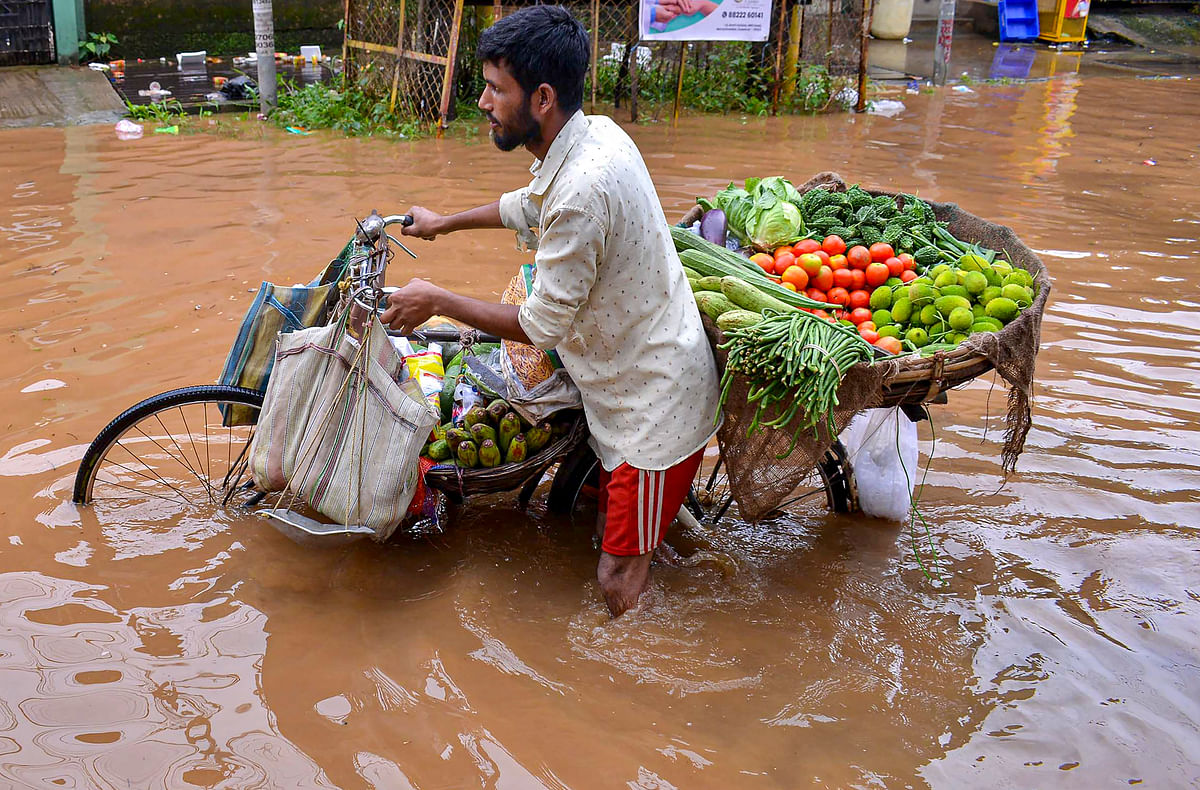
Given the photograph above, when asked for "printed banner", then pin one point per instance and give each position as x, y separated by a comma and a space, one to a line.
705, 20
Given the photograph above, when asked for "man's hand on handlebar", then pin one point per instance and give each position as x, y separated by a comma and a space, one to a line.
413, 304
426, 224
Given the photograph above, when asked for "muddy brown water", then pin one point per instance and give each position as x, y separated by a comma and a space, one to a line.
1059, 648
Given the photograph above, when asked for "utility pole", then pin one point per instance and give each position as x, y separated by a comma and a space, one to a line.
264, 48
945, 35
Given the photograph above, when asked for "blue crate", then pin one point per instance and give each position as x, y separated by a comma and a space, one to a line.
1018, 20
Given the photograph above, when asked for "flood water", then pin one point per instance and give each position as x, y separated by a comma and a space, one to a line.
1044, 631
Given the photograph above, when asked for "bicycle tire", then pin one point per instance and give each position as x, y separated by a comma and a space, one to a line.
580, 470
101, 456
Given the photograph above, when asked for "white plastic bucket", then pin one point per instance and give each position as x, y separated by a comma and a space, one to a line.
891, 18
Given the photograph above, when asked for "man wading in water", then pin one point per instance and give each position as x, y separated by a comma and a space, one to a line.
610, 294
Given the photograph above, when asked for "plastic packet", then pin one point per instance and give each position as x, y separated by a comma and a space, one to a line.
425, 367
465, 396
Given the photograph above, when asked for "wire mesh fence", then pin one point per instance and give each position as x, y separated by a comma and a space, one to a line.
421, 55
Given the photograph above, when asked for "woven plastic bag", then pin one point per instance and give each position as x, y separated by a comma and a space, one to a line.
537, 383
336, 430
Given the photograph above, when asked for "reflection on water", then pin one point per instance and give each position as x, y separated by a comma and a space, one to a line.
79, 676
1042, 632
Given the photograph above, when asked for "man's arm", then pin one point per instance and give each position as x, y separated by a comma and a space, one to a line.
429, 224
413, 304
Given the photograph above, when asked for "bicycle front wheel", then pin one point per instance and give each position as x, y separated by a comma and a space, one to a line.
171, 454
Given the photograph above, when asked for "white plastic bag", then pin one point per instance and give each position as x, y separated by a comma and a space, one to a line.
882, 446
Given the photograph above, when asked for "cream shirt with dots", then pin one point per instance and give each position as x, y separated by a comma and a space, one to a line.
611, 297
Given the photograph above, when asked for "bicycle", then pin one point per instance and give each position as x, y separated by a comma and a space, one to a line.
177, 449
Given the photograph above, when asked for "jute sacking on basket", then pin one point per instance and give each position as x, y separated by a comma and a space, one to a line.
760, 480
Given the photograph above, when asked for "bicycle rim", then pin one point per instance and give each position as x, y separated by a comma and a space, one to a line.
171, 455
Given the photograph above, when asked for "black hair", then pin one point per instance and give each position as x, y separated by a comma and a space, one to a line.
541, 43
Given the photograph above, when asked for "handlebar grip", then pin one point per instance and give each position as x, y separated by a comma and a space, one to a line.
406, 220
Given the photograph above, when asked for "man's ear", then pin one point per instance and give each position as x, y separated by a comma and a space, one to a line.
544, 100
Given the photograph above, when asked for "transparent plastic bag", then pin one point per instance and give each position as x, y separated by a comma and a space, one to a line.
882, 446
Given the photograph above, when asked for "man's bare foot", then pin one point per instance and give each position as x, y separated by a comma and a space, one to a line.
623, 580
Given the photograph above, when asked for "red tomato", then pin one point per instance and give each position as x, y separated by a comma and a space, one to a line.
822, 314
877, 274
839, 296
824, 256
867, 325
815, 294
895, 266
842, 278
837, 262
859, 298
795, 277
889, 344
782, 261
907, 276
869, 335
833, 245
764, 261
810, 263
824, 279
859, 314
781, 250
859, 280
909, 263
807, 245
859, 256
881, 252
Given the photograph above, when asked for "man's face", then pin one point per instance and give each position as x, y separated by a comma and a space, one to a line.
507, 109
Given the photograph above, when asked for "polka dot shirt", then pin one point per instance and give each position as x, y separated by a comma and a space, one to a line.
610, 295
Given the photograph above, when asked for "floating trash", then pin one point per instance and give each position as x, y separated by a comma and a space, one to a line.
128, 130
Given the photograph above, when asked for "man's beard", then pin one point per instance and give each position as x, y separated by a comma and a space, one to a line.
530, 131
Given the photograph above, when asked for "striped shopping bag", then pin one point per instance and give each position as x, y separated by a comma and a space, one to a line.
337, 432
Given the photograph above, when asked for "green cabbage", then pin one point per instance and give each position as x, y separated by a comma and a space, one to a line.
778, 186
776, 222
765, 214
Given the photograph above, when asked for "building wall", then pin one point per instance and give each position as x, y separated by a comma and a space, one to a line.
160, 28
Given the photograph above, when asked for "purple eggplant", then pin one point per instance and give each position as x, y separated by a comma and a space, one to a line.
714, 226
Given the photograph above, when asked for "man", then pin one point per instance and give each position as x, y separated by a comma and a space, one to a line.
609, 295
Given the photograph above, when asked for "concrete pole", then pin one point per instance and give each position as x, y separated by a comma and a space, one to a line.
264, 47
945, 35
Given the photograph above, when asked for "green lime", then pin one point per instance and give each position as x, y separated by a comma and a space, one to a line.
917, 336
960, 319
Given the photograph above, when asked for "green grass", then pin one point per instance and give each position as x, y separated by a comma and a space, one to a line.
347, 109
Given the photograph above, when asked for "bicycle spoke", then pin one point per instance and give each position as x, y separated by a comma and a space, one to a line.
180, 459
192, 440
156, 479
716, 470
801, 498
139, 491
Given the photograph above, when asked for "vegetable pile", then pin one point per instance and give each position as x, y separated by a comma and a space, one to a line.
488, 436
829, 275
